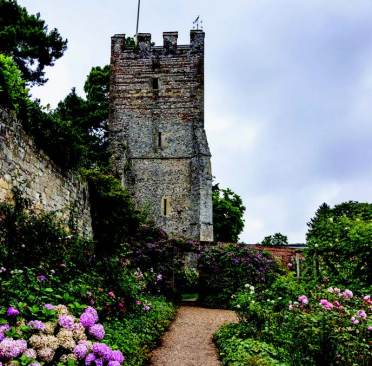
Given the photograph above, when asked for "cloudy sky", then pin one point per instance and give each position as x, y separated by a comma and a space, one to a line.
288, 93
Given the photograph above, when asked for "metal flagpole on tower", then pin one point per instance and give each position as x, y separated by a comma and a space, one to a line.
138, 14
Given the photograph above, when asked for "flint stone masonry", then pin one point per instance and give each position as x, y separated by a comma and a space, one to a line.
158, 142
49, 189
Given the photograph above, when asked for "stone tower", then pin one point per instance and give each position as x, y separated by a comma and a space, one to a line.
159, 146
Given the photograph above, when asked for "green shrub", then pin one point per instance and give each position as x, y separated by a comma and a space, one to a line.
237, 351
325, 327
38, 239
114, 216
138, 333
224, 269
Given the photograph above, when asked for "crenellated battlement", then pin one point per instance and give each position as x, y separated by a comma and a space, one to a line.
170, 45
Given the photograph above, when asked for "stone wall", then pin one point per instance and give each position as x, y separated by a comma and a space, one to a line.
49, 188
159, 146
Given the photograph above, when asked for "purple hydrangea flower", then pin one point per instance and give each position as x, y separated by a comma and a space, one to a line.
98, 362
91, 310
88, 319
80, 351
146, 308
10, 348
36, 324
102, 350
89, 359
117, 356
42, 278
12, 312
97, 331
66, 321
49, 306
114, 363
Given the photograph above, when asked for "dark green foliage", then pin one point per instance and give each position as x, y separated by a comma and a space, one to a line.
89, 116
27, 39
237, 350
114, 217
303, 333
37, 239
138, 333
276, 240
56, 137
166, 257
339, 243
224, 269
228, 211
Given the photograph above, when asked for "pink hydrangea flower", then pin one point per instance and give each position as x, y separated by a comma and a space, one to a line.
362, 314
326, 304
354, 320
347, 294
303, 299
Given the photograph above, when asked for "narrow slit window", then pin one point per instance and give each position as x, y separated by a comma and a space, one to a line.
155, 83
159, 140
165, 207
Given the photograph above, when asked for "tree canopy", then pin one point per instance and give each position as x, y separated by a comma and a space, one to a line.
339, 239
228, 212
27, 39
89, 117
276, 240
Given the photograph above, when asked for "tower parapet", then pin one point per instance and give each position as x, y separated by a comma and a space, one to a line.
158, 142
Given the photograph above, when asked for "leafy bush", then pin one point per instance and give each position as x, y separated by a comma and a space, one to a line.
139, 332
237, 351
166, 259
323, 327
38, 239
114, 217
224, 269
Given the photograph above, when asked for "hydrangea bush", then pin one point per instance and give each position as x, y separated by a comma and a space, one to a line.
62, 339
224, 269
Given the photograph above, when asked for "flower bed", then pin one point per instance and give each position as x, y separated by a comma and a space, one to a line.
322, 326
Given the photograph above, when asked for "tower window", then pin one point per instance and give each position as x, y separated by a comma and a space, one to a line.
159, 140
165, 206
165, 211
155, 83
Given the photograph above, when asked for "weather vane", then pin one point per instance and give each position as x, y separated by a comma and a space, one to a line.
197, 23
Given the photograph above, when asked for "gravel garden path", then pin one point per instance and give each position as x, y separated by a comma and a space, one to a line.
188, 342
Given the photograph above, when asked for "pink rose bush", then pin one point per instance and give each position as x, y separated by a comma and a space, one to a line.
58, 341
